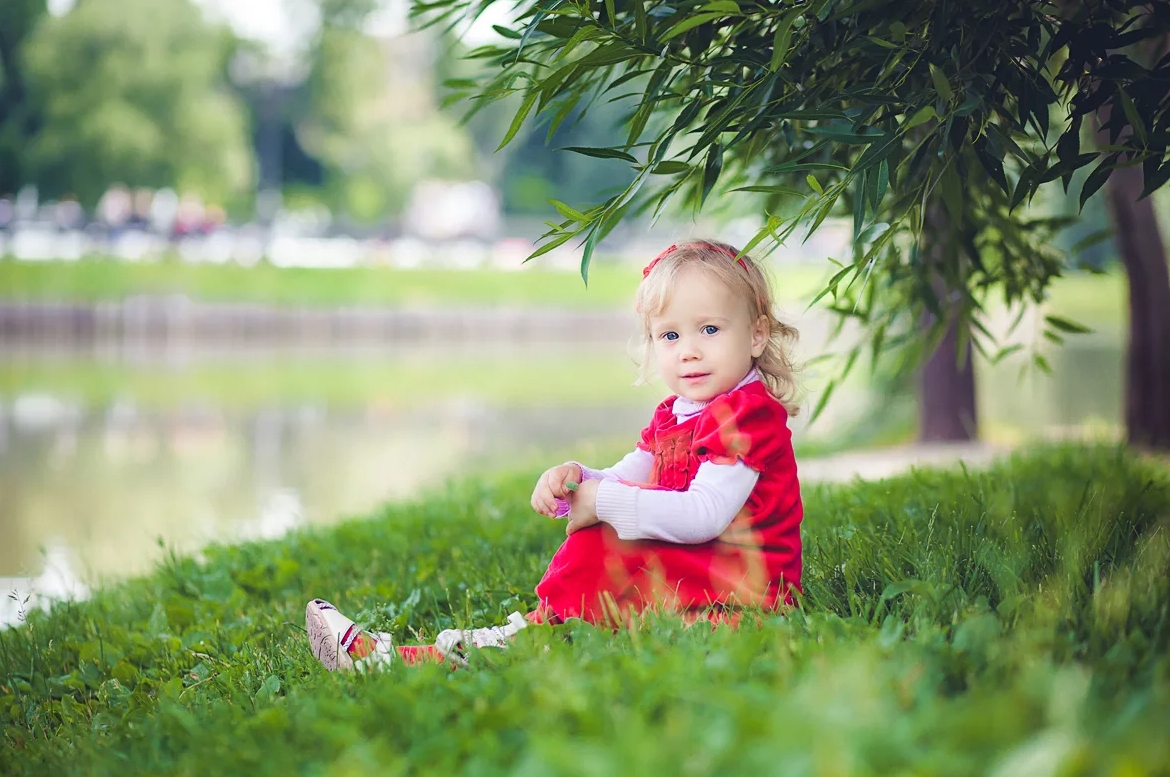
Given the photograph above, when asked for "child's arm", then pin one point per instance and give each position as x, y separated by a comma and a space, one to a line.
551, 495
699, 514
634, 467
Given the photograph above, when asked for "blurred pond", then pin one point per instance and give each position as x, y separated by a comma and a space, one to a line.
107, 463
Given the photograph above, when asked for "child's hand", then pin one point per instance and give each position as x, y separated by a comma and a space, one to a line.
554, 485
583, 507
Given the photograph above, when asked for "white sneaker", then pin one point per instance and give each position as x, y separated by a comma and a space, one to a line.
338, 643
453, 643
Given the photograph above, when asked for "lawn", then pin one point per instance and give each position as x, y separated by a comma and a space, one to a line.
1012, 622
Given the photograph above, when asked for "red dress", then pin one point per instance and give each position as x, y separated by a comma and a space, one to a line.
756, 561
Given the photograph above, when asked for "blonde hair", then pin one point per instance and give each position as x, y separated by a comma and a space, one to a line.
741, 275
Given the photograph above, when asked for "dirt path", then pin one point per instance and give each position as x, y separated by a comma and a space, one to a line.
888, 462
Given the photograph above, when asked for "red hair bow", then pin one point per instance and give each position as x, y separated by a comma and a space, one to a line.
673, 248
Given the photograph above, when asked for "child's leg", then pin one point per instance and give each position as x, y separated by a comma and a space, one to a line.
543, 615
420, 654
340, 644
604, 580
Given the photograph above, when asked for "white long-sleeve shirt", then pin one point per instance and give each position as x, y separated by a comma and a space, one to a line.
701, 513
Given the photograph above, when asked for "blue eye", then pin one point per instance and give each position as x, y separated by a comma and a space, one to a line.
669, 336
710, 329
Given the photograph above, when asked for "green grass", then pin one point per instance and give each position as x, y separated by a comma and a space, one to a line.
1012, 622
610, 285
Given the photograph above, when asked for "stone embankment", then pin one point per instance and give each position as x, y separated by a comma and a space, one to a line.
168, 322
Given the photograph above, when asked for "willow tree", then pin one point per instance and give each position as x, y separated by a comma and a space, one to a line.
931, 122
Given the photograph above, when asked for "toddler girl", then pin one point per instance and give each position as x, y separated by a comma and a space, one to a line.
702, 515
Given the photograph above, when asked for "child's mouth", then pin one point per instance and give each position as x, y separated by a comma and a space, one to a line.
695, 376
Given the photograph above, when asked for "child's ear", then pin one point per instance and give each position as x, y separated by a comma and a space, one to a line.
760, 333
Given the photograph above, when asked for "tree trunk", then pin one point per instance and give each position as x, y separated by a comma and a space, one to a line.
1147, 369
946, 384
1139, 242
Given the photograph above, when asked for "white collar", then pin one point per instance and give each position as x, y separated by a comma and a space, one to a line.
686, 408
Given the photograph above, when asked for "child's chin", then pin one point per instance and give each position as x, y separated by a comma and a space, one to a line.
698, 396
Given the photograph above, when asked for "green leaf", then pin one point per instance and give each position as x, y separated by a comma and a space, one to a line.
859, 205
641, 23
602, 153
842, 135
562, 113
813, 183
900, 587
770, 190
824, 400
556, 242
505, 32
781, 40
952, 192
568, 212
1091, 239
1097, 178
878, 151
671, 167
587, 255
1025, 183
648, 102
968, 106
921, 116
1155, 176
831, 286
1005, 352
1131, 115
269, 689
795, 167
992, 164
690, 23
721, 6
825, 207
518, 119
609, 54
1064, 325
941, 85
885, 44
711, 170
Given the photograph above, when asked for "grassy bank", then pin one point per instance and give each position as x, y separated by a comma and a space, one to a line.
1095, 300
1007, 623
107, 279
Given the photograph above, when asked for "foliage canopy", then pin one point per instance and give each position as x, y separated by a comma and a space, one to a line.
877, 108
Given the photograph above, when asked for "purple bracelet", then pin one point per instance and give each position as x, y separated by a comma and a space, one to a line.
563, 504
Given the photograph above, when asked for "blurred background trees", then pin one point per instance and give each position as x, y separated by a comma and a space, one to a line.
133, 90
18, 118
154, 94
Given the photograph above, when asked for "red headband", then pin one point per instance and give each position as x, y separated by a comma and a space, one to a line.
731, 254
